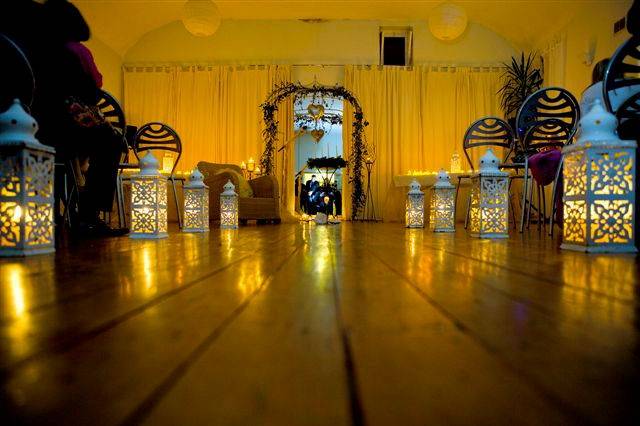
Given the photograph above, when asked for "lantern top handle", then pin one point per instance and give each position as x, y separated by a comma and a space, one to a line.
598, 125
229, 188
17, 126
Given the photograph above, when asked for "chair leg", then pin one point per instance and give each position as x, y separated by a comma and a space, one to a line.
554, 195
119, 201
175, 197
540, 211
455, 201
525, 183
531, 184
468, 212
544, 208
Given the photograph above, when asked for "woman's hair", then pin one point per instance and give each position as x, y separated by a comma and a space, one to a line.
65, 21
598, 71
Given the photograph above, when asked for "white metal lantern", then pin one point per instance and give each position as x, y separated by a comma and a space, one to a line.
26, 186
229, 207
442, 212
415, 206
447, 21
148, 200
201, 17
196, 204
489, 215
599, 194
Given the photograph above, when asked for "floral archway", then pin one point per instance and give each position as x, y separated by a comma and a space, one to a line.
358, 148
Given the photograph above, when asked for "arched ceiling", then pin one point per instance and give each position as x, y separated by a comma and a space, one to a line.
121, 23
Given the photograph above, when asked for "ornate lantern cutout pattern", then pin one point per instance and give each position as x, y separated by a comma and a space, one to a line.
148, 201
26, 186
599, 193
196, 204
489, 199
442, 211
414, 214
229, 207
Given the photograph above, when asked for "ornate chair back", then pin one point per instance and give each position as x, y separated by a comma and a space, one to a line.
546, 103
157, 137
622, 79
112, 111
18, 80
550, 133
488, 131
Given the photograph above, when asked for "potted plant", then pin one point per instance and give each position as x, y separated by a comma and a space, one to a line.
520, 79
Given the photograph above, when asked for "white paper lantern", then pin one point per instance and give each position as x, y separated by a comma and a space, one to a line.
442, 212
229, 207
414, 214
599, 187
489, 215
26, 186
148, 200
447, 21
201, 17
196, 204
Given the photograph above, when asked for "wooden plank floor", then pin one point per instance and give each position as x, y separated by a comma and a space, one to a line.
307, 325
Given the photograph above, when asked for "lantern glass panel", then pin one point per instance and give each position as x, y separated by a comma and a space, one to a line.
228, 211
489, 215
196, 209
26, 201
442, 212
415, 211
148, 206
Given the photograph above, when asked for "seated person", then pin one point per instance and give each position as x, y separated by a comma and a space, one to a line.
65, 108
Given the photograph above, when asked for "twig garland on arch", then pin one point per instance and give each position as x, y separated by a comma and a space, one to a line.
358, 148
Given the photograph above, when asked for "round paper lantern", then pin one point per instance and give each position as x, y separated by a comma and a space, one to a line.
201, 17
447, 21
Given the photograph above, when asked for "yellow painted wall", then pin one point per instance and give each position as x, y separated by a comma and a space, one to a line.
592, 27
295, 42
110, 65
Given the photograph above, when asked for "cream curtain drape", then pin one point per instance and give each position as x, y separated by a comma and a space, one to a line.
214, 108
554, 56
418, 117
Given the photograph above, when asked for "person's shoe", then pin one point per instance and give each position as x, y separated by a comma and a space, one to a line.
98, 229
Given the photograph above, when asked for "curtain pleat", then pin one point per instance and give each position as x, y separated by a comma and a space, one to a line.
418, 117
215, 109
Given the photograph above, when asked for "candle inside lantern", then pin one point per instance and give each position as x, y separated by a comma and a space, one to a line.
251, 165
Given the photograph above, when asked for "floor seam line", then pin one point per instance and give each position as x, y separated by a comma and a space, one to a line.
560, 405
150, 402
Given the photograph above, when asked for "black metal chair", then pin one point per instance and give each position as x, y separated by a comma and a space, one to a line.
621, 75
486, 131
621, 93
538, 117
16, 74
160, 137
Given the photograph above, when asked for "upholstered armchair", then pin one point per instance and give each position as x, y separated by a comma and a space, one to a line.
258, 198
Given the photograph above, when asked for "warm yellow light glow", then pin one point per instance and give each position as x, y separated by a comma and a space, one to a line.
243, 166
251, 165
167, 163
17, 291
17, 213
